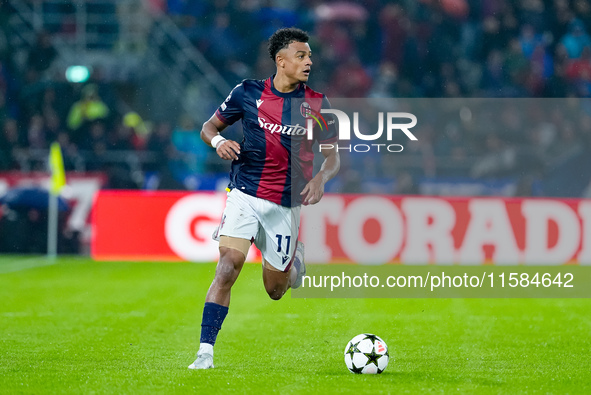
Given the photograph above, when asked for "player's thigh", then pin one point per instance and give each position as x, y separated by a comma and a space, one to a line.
239, 222
277, 235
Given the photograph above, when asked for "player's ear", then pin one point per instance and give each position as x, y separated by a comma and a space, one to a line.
279, 60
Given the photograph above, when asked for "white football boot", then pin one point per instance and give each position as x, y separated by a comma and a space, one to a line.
301, 266
204, 358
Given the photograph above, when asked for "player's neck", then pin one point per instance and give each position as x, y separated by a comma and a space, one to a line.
284, 84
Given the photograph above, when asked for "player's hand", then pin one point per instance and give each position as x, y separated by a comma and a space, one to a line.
313, 191
228, 149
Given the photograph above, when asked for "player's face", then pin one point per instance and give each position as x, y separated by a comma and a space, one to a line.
297, 61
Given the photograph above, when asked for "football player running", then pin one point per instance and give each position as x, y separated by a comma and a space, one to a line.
271, 178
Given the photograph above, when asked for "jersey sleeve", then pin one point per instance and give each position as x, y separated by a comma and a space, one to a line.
231, 109
328, 135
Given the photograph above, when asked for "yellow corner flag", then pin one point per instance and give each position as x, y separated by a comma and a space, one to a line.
56, 165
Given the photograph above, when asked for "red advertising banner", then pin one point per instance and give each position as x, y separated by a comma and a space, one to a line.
364, 229
134, 225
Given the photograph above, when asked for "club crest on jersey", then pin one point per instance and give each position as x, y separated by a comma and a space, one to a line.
307, 112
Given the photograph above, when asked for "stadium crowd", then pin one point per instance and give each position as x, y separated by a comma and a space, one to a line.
410, 49
452, 48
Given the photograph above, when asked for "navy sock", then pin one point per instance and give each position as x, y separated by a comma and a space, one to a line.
213, 316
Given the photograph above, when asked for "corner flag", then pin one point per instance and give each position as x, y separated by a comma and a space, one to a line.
56, 165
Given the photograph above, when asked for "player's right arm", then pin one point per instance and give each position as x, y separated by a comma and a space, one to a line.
210, 134
229, 112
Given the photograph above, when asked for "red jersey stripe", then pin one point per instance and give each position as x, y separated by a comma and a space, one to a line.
274, 175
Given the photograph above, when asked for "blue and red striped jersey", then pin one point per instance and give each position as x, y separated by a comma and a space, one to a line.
276, 156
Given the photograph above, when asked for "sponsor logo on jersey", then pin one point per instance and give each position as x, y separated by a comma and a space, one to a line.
290, 130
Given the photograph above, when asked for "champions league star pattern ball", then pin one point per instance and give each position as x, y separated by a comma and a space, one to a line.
366, 354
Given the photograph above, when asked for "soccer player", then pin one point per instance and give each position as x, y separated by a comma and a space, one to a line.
271, 177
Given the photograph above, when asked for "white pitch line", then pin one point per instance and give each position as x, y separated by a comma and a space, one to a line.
24, 264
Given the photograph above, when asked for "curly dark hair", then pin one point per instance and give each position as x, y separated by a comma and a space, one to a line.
283, 37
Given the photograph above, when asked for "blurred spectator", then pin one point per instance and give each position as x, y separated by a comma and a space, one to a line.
566, 145
516, 64
405, 184
394, 27
96, 136
134, 130
36, 132
193, 153
498, 160
121, 138
4, 114
50, 106
385, 82
576, 39
558, 85
42, 54
160, 141
88, 109
271, 17
493, 79
70, 153
529, 40
579, 70
9, 144
350, 80
160, 144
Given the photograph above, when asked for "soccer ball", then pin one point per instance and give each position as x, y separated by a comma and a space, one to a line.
366, 354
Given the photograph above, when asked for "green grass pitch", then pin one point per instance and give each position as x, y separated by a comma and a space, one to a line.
79, 326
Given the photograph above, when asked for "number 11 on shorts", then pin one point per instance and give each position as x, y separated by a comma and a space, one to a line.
287, 241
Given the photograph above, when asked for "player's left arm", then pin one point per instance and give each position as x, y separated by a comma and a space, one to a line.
314, 190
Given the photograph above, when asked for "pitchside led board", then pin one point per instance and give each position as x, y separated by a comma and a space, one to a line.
377, 227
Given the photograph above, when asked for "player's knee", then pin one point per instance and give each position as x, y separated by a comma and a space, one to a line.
229, 266
225, 273
275, 292
231, 259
